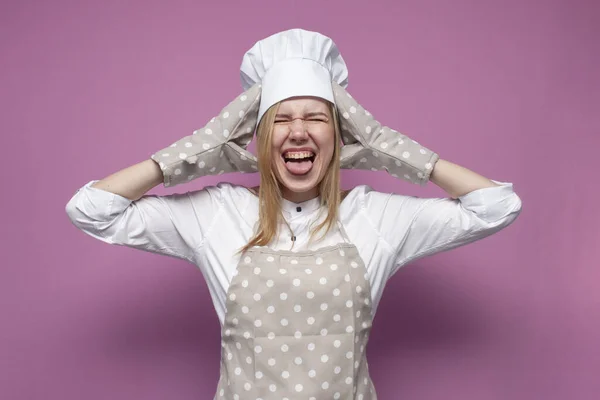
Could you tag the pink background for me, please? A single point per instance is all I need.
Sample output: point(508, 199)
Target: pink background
point(509, 89)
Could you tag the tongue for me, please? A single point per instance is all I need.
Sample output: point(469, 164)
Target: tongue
point(298, 167)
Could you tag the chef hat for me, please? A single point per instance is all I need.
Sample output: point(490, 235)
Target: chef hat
point(292, 63)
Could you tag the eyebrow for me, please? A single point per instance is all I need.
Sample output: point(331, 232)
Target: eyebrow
point(312, 114)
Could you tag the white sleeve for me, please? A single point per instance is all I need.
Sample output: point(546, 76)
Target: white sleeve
point(415, 227)
point(172, 225)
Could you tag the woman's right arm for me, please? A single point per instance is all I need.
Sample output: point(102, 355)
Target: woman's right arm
point(117, 210)
point(134, 181)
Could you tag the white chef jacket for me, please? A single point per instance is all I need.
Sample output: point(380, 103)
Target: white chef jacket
point(207, 227)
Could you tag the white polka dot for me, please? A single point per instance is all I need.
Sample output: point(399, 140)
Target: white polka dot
point(365, 324)
point(237, 371)
point(368, 130)
point(208, 131)
point(247, 260)
point(354, 264)
point(284, 322)
point(428, 166)
point(270, 283)
point(337, 343)
point(227, 332)
point(201, 164)
point(310, 320)
point(225, 132)
point(352, 109)
point(319, 261)
point(308, 271)
point(406, 154)
point(188, 144)
point(349, 355)
point(349, 380)
point(356, 363)
point(298, 360)
point(310, 295)
point(324, 306)
point(270, 259)
point(177, 171)
point(226, 114)
point(358, 289)
point(383, 145)
point(296, 282)
point(229, 356)
point(238, 345)
point(245, 283)
point(336, 292)
point(285, 374)
point(298, 388)
point(272, 387)
point(333, 267)
point(367, 301)
point(258, 323)
point(337, 395)
point(311, 346)
point(363, 160)
point(312, 373)
point(235, 396)
point(247, 335)
point(284, 348)
point(342, 253)
point(247, 386)
point(270, 309)
point(346, 115)
point(256, 271)
point(324, 358)
point(325, 385)
point(297, 308)
point(347, 278)
point(235, 321)
point(293, 261)
point(337, 318)
point(206, 146)
point(232, 296)
point(337, 370)
point(245, 310)
point(258, 374)
point(282, 271)
point(283, 296)
point(323, 281)
point(271, 361)
point(298, 334)
point(349, 329)
point(241, 113)
point(222, 392)
point(323, 332)
point(375, 154)
point(349, 303)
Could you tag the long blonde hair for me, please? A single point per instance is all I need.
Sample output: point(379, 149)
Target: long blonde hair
point(270, 195)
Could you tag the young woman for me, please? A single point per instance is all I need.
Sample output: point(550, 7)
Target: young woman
point(295, 267)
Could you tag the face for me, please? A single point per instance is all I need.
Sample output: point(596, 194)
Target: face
point(302, 145)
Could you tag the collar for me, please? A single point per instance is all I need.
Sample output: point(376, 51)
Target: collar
point(291, 209)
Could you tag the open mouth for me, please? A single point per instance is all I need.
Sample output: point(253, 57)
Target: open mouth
point(298, 162)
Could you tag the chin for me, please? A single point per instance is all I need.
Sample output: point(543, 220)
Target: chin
point(299, 183)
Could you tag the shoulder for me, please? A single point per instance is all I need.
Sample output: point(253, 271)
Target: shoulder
point(362, 197)
point(224, 193)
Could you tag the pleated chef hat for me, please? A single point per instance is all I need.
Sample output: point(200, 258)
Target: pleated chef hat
point(292, 63)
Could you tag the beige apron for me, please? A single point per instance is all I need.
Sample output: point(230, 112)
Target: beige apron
point(297, 326)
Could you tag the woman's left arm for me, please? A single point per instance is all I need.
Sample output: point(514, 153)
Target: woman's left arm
point(456, 180)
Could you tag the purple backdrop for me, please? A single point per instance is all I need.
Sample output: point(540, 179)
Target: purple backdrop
point(509, 89)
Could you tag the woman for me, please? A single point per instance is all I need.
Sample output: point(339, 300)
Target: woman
point(295, 267)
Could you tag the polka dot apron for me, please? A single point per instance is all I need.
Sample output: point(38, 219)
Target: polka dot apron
point(297, 326)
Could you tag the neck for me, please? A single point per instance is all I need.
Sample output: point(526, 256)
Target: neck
point(299, 197)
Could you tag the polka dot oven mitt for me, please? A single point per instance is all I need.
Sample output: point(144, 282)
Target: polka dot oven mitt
point(370, 146)
point(217, 148)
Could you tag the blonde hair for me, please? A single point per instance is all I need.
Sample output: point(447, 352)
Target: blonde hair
point(270, 195)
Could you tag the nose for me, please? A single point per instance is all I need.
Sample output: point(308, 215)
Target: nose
point(297, 129)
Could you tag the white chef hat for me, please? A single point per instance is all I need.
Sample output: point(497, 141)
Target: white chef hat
point(292, 63)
